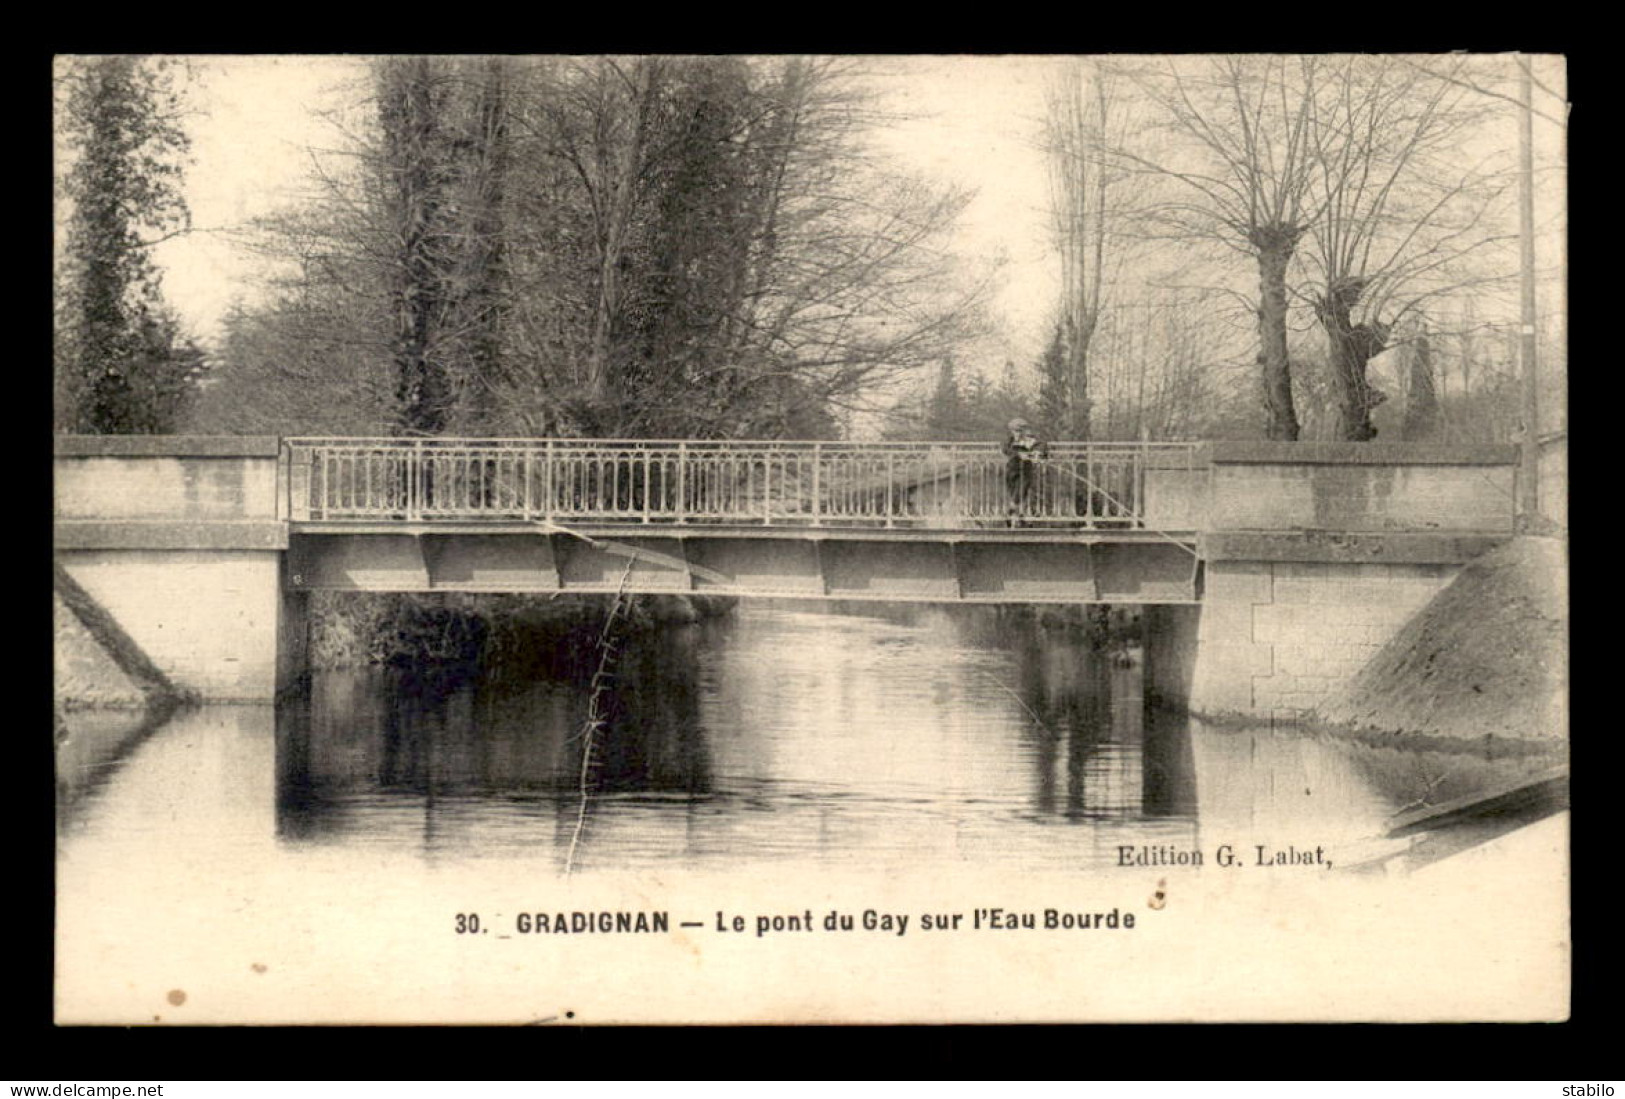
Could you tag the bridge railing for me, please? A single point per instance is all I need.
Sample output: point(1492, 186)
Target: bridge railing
point(725, 481)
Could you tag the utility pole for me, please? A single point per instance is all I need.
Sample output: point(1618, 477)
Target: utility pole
point(1529, 468)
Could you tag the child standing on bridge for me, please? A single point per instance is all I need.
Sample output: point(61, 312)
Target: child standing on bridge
point(1023, 450)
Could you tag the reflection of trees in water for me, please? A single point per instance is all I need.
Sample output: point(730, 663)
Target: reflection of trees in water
point(450, 732)
point(402, 753)
point(1097, 749)
point(1167, 765)
point(1078, 754)
point(653, 740)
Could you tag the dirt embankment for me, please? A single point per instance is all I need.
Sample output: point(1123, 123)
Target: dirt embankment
point(1488, 657)
point(86, 677)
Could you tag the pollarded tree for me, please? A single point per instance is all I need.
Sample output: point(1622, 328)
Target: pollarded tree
point(1405, 213)
point(1350, 182)
point(1237, 173)
point(129, 368)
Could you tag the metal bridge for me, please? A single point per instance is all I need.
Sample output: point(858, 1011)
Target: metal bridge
point(1078, 486)
point(808, 519)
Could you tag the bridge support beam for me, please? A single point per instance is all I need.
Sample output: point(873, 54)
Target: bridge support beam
point(905, 566)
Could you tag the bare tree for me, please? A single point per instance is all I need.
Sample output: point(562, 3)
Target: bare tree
point(721, 230)
point(607, 246)
point(1403, 214)
point(1238, 175)
point(1421, 390)
point(1084, 117)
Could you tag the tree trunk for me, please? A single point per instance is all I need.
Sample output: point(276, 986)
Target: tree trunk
point(619, 200)
point(1350, 347)
point(1275, 369)
point(486, 302)
point(411, 132)
point(1079, 404)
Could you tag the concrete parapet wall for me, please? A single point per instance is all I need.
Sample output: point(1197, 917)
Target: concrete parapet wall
point(1177, 499)
point(166, 477)
point(1361, 487)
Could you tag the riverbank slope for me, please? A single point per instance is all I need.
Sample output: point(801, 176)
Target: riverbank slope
point(1487, 658)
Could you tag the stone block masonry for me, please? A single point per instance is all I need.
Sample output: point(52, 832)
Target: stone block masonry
point(1277, 639)
point(1317, 554)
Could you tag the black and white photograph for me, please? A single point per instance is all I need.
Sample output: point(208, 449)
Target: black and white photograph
point(1025, 538)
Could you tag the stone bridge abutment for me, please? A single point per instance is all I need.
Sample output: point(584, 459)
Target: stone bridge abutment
point(1314, 556)
point(181, 540)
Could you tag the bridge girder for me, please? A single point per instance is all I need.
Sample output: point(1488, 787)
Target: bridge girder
point(1001, 567)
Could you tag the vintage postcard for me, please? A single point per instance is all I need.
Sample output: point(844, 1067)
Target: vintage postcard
point(550, 540)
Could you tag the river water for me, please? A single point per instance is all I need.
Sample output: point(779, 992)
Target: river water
point(325, 860)
point(889, 738)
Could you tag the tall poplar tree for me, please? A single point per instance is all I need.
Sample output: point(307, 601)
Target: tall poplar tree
point(123, 365)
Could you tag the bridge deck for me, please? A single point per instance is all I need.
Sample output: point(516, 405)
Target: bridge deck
point(776, 531)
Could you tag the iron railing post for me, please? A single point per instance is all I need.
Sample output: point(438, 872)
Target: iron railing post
point(547, 481)
point(1137, 510)
point(682, 482)
point(767, 489)
point(321, 457)
point(414, 461)
point(284, 482)
point(817, 484)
